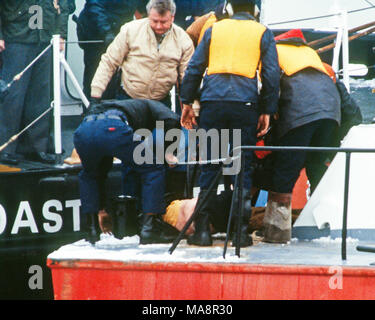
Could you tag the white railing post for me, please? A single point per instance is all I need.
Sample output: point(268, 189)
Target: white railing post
point(57, 93)
point(70, 73)
point(345, 49)
point(337, 49)
point(173, 97)
point(342, 45)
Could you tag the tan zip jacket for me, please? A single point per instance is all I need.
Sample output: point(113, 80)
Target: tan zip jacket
point(148, 72)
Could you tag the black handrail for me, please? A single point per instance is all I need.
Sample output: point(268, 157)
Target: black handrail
point(348, 152)
point(313, 149)
point(345, 213)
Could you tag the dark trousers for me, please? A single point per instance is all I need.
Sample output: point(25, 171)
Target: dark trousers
point(228, 115)
point(27, 99)
point(130, 177)
point(123, 95)
point(97, 142)
point(91, 58)
point(288, 164)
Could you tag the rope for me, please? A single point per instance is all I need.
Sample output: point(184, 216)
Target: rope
point(19, 75)
point(15, 137)
point(16, 78)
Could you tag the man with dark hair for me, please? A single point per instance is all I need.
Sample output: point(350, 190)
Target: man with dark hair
point(231, 51)
point(188, 10)
point(102, 20)
point(197, 29)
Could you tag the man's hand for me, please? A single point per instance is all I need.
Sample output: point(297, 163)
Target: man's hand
point(188, 117)
point(263, 124)
point(2, 45)
point(105, 222)
point(171, 160)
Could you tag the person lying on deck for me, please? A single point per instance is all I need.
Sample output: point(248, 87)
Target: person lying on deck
point(178, 213)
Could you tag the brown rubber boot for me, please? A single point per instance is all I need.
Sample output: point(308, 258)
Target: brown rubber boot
point(278, 218)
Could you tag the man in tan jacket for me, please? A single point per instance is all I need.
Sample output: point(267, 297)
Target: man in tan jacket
point(153, 54)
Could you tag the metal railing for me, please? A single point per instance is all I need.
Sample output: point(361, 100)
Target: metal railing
point(239, 182)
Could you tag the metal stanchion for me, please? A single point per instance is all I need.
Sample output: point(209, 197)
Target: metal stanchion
point(57, 94)
point(345, 214)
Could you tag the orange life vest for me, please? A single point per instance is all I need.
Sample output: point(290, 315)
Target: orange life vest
point(296, 58)
point(330, 71)
point(235, 47)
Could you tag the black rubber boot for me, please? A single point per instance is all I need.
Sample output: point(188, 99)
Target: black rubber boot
point(202, 233)
point(125, 222)
point(91, 227)
point(151, 231)
point(245, 238)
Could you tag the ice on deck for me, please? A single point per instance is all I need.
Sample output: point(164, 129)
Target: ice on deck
point(324, 251)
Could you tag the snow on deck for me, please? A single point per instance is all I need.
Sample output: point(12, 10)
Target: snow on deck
point(323, 251)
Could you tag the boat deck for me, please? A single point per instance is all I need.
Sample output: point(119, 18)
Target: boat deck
point(319, 252)
point(123, 269)
point(68, 125)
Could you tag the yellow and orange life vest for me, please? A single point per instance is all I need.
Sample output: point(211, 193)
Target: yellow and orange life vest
point(293, 59)
point(235, 47)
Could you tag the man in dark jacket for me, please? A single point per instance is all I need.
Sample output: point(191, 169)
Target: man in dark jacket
point(188, 10)
point(309, 113)
point(232, 49)
point(26, 28)
point(102, 20)
point(107, 131)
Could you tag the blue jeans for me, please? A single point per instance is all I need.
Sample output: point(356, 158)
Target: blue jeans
point(97, 142)
point(131, 178)
point(27, 99)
